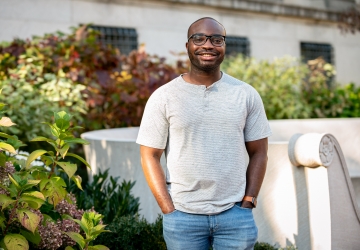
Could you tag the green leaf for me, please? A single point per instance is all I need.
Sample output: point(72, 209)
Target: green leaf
point(77, 238)
point(35, 199)
point(7, 147)
point(47, 160)
point(98, 247)
point(32, 237)
point(80, 159)
point(32, 157)
point(54, 130)
point(84, 227)
point(69, 248)
point(15, 142)
point(62, 115)
point(28, 219)
point(62, 124)
point(76, 140)
point(64, 150)
point(5, 201)
point(30, 184)
point(68, 167)
point(41, 138)
point(53, 188)
point(16, 184)
point(7, 136)
point(16, 242)
point(77, 179)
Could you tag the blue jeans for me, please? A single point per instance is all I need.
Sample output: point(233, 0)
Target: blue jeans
point(232, 229)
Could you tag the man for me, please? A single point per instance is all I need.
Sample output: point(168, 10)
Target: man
point(206, 121)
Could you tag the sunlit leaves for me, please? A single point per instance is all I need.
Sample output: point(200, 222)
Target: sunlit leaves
point(15, 241)
point(28, 219)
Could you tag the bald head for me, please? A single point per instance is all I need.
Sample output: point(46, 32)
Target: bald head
point(199, 22)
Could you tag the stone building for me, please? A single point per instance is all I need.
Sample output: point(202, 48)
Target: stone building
point(263, 29)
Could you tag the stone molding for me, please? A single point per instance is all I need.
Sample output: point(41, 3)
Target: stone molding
point(266, 8)
point(313, 150)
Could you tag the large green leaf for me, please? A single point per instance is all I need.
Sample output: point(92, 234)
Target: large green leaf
point(53, 189)
point(32, 237)
point(6, 136)
point(80, 159)
point(32, 157)
point(68, 167)
point(77, 238)
point(16, 242)
point(62, 124)
point(28, 219)
point(5, 201)
point(30, 184)
point(76, 140)
point(35, 199)
point(7, 147)
point(41, 138)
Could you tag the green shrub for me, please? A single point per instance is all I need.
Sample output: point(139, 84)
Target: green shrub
point(107, 196)
point(36, 210)
point(133, 233)
point(101, 87)
point(293, 90)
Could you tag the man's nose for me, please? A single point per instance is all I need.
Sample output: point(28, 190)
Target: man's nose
point(208, 43)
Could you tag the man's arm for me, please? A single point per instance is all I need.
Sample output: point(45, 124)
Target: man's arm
point(154, 174)
point(255, 173)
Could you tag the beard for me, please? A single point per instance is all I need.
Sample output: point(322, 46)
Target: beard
point(206, 67)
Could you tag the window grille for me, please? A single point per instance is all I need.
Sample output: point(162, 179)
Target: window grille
point(310, 51)
point(236, 44)
point(125, 39)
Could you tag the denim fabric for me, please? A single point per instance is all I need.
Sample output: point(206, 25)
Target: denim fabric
point(232, 229)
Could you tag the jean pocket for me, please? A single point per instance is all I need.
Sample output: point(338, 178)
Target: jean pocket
point(238, 205)
point(170, 213)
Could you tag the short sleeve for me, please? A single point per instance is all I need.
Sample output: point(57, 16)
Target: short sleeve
point(154, 125)
point(257, 126)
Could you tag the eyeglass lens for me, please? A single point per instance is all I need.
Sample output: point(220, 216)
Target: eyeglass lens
point(216, 40)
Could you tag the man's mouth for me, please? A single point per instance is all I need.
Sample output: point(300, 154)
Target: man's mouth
point(206, 55)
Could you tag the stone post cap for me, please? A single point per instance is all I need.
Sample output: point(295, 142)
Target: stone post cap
point(311, 150)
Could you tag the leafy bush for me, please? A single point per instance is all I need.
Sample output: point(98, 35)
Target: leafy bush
point(36, 210)
point(133, 233)
point(101, 87)
point(293, 90)
point(107, 197)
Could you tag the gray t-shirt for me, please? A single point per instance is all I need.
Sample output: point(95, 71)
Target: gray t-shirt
point(203, 131)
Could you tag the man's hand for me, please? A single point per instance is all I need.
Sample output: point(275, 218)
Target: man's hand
point(247, 204)
point(154, 174)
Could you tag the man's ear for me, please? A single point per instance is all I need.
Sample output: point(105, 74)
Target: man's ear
point(186, 45)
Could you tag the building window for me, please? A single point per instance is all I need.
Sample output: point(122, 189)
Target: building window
point(236, 44)
point(311, 51)
point(125, 39)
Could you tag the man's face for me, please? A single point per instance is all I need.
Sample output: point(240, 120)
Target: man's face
point(206, 57)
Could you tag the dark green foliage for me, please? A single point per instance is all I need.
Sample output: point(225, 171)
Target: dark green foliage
point(107, 197)
point(293, 90)
point(133, 233)
point(263, 246)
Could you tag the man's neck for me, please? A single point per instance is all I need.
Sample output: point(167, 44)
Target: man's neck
point(202, 78)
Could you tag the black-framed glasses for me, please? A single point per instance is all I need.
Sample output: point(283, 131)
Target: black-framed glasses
point(200, 39)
